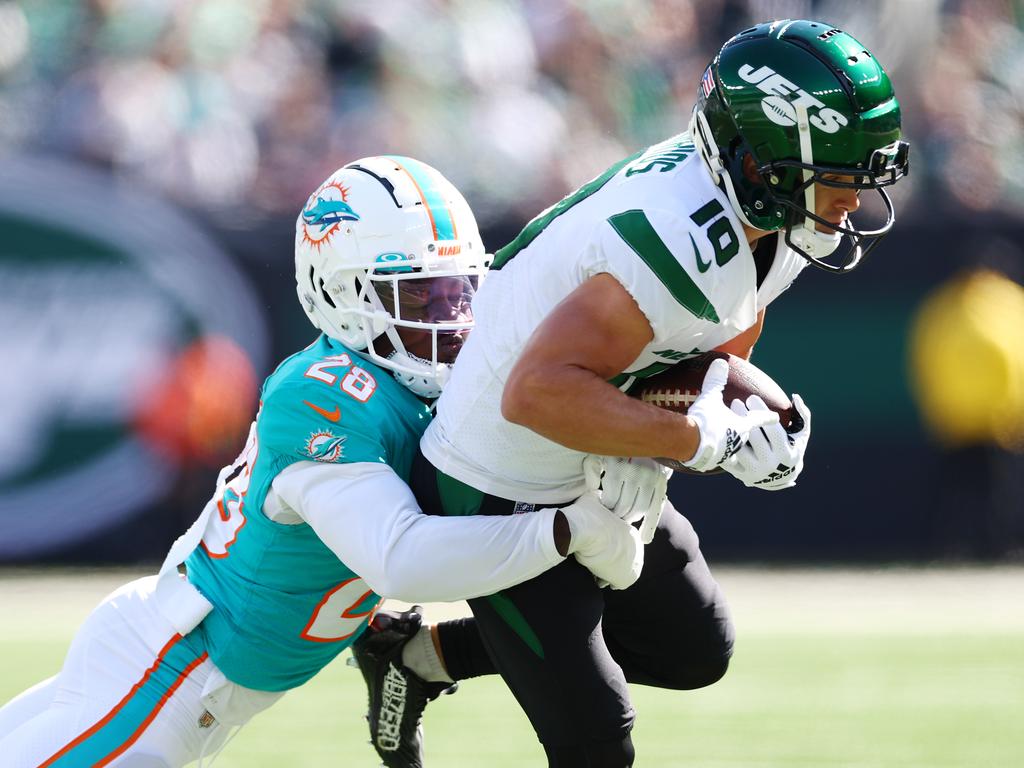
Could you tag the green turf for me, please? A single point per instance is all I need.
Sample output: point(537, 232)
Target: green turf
point(810, 697)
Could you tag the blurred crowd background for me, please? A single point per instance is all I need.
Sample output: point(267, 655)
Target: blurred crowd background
point(154, 155)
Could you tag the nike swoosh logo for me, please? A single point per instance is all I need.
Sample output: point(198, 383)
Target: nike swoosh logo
point(702, 266)
point(334, 415)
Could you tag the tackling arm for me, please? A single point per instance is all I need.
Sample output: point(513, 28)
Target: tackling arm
point(369, 518)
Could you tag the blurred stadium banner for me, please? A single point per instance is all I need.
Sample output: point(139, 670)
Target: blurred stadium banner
point(128, 345)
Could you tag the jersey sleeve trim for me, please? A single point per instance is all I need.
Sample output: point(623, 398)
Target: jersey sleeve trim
point(639, 234)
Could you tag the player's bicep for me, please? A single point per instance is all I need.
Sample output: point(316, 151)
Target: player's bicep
point(355, 509)
point(598, 327)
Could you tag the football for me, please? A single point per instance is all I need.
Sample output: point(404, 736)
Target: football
point(676, 388)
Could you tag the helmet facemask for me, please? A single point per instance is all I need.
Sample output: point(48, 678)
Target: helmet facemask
point(428, 319)
point(885, 167)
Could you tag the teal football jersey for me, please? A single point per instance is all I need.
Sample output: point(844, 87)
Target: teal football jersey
point(284, 604)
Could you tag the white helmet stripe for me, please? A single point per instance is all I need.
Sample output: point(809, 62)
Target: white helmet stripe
point(803, 125)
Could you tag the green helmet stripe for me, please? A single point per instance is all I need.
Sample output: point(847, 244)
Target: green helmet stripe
point(635, 228)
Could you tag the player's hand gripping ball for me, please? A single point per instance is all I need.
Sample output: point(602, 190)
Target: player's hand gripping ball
point(677, 388)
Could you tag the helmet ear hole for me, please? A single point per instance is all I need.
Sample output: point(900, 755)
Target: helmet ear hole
point(734, 147)
point(749, 168)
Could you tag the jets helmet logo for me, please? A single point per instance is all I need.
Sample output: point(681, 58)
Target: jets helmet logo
point(780, 106)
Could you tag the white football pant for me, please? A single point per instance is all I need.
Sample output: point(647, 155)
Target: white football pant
point(129, 695)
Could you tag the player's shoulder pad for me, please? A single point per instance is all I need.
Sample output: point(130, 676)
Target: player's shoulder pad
point(664, 157)
point(306, 415)
point(673, 248)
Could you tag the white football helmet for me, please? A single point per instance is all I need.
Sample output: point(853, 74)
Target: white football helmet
point(387, 247)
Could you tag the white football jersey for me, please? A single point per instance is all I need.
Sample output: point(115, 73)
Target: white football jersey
point(659, 225)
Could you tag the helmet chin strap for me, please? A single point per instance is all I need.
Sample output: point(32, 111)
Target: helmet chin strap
point(426, 383)
point(803, 126)
point(815, 244)
point(420, 376)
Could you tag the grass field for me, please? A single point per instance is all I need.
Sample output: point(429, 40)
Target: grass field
point(833, 668)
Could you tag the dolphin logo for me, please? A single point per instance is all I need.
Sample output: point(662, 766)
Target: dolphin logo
point(325, 446)
point(328, 212)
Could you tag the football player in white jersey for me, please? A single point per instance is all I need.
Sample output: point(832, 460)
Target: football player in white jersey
point(674, 251)
point(314, 522)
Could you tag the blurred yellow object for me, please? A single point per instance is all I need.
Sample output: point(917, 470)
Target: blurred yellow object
point(967, 360)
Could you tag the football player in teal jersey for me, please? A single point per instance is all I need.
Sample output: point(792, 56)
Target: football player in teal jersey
point(314, 522)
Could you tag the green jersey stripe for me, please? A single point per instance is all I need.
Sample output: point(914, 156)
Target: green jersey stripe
point(636, 230)
point(643, 373)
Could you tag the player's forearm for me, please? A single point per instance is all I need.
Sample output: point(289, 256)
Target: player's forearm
point(456, 558)
point(369, 518)
point(576, 408)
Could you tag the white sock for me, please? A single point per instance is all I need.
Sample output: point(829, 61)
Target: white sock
point(420, 656)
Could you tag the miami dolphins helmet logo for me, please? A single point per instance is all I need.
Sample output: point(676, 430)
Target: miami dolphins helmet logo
point(328, 212)
point(324, 213)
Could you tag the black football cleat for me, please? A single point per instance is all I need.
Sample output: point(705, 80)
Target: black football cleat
point(397, 695)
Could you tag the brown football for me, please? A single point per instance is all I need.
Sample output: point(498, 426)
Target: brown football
point(676, 388)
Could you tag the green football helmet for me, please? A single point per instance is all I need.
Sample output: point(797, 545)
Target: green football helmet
point(808, 104)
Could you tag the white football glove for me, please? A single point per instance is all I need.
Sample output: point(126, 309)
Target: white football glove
point(633, 489)
point(722, 432)
point(606, 545)
point(772, 459)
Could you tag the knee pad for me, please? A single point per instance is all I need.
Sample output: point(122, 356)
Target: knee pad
point(617, 753)
point(710, 672)
point(696, 674)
